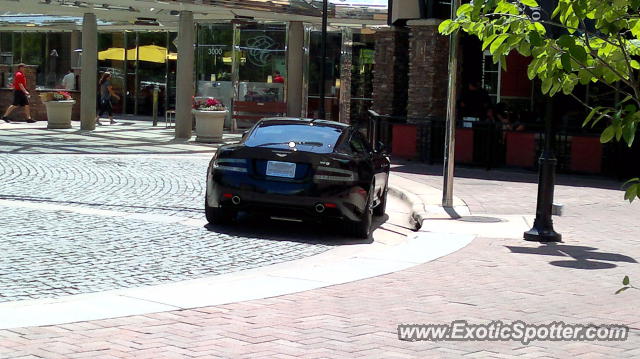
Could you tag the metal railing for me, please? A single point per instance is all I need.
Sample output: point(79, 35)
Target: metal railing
point(489, 143)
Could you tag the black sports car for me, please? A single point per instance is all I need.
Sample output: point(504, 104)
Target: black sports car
point(299, 169)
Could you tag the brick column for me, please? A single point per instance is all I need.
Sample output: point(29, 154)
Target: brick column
point(390, 74)
point(428, 80)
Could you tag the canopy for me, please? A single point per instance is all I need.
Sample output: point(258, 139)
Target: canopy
point(149, 53)
point(112, 53)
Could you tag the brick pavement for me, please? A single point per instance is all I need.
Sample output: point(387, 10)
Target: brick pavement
point(491, 279)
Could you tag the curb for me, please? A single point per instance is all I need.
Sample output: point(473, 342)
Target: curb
point(418, 213)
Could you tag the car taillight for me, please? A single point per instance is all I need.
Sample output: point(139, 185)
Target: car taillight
point(230, 164)
point(334, 174)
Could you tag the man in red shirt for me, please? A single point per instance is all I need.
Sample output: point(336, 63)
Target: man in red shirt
point(277, 78)
point(20, 95)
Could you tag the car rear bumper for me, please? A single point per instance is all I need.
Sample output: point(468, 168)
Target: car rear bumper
point(296, 201)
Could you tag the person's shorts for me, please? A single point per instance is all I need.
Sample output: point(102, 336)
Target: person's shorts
point(19, 98)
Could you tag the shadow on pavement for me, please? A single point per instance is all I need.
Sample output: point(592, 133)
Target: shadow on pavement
point(507, 175)
point(581, 257)
point(330, 234)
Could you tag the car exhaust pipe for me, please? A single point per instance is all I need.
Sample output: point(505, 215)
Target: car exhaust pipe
point(235, 200)
point(320, 208)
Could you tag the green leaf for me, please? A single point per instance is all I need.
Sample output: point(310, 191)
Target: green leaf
point(546, 85)
point(608, 134)
point(464, 9)
point(590, 116)
point(530, 3)
point(632, 192)
point(487, 41)
point(625, 280)
point(566, 41)
point(629, 134)
point(566, 62)
point(535, 39)
point(445, 26)
point(579, 53)
point(637, 179)
point(497, 42)
point(621, 290)
point(635, 64)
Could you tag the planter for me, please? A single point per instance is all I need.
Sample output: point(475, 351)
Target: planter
point(59, 113)
point(209, 125)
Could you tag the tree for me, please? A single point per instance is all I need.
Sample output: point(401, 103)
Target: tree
point(581, 41)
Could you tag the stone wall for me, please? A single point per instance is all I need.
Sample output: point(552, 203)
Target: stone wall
point(428, 70)
point(390, 74)
point(428, 83)
point(411, 78)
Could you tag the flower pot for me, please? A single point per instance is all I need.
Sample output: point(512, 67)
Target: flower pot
point(209, 125)
point(59, 113)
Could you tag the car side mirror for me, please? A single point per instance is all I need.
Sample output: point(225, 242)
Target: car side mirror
point(381, 148)
point(244, 134)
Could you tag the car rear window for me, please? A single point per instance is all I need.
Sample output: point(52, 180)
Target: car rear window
point(309, 138)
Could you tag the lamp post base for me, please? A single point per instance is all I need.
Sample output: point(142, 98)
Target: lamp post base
point(541, 233)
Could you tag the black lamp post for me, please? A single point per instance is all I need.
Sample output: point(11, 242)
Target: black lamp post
point(542, 230)
point(323, 61)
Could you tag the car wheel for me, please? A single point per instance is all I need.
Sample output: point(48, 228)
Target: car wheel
point(218, 215)
point(382, 206)
point(362, 228)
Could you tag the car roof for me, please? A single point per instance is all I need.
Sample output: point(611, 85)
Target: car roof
point(302, 121)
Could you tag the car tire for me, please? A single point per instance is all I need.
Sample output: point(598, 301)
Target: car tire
point(218, 215)
point(362, 228)
point(382, 206)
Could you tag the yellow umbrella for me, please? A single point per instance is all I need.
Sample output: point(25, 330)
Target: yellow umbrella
point(112, 53)
point(149, 53)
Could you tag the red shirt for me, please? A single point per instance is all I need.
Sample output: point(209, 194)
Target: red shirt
point(278, 79)
point(18, 79)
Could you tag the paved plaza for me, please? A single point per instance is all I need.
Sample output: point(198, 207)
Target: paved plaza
point(91, 202)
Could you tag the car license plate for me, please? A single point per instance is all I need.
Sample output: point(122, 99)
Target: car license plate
point(281, 169)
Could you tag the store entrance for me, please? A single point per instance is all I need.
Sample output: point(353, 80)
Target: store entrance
point(244, 66)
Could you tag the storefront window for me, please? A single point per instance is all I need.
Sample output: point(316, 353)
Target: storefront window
point(332, 73)
point(111, 59)
point(152, 60)
point(362, 75)
point(214, 59)
point(262, 73)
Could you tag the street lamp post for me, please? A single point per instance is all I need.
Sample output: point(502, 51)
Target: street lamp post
point(323, 61)
point(542, 230)
point(452, 95)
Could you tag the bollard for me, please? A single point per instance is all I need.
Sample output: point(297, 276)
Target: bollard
point(155, 105)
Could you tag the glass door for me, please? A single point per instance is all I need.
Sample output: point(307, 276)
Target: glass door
point(261, 68)
point(332, 72)
point(214, 63)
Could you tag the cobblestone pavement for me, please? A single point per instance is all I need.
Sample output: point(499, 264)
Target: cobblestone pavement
point(138, 184)
point(491, 279)
point(67, 226)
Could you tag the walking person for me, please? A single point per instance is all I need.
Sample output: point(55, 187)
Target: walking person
point(20, 95)
point(106, 93)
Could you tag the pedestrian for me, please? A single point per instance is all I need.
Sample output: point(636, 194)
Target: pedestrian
point(69, 80)
point(106, 94)
point(20, 95)
point(277, 77)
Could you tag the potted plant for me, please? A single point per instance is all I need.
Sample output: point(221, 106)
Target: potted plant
point(210, 114)
point(59, 108)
